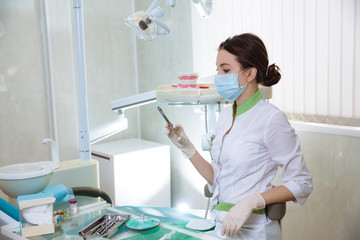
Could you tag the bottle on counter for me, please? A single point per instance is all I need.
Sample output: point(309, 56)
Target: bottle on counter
point(73, 206)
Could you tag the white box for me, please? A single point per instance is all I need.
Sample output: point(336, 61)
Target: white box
point(134, 172)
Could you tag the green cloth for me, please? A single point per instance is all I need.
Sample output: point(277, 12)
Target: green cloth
point(159, 232)
point(248, 104)
point(170, 216)
point(225, 207)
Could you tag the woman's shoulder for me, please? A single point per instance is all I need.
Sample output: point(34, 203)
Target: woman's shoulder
point(268, 107)
point(270, 112)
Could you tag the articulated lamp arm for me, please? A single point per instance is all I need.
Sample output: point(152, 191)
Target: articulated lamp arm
point(121, 123)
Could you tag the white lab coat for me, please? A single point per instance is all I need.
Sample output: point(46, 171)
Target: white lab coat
point(246, 160)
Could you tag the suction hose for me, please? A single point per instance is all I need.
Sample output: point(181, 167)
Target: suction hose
point(91, 192)
point(9, 209)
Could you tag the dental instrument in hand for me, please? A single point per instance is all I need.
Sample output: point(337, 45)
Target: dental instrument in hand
point(167, 120)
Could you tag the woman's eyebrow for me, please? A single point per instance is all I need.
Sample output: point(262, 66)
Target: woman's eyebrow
point(223, 64)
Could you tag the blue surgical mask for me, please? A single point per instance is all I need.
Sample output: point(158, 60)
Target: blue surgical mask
point(227, 85)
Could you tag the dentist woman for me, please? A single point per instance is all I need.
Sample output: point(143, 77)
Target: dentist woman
point(253, 138)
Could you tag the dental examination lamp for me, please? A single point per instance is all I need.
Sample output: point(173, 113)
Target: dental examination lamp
point(121, 123)
point(147, 24)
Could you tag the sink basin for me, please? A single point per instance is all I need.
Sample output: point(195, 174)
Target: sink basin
point(25, 178)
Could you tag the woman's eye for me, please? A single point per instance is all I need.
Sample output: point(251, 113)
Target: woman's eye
point(222, 71)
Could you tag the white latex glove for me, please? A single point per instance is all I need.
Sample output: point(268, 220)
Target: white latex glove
point(180, 140)
point(238, 214)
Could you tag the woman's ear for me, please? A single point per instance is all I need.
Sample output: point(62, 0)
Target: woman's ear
point(251, 74)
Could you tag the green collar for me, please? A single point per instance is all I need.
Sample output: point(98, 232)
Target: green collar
point(249, 103)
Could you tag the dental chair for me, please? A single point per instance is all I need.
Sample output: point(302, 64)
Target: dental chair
point(207, 194)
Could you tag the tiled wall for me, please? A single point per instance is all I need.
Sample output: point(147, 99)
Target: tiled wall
point(332, 210)
point(23, 100)
point(25, 116)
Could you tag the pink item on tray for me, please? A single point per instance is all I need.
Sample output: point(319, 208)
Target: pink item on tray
point(187, 80)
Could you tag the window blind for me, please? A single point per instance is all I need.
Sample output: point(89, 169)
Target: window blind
point(316, 44)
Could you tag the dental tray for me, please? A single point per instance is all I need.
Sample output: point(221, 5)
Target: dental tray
point(202, 94)
point(105, 226)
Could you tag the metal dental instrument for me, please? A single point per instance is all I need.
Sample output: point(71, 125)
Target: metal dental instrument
point(104, 227)
point(167, 120)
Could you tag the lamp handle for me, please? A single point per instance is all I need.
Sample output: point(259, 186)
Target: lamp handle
point(164, 28)
point(153, 5)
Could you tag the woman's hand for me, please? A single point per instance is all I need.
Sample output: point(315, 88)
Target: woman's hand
point(179, 138)
point(239, 213)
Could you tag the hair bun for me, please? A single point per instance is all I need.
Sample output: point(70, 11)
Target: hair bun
point(273, 76)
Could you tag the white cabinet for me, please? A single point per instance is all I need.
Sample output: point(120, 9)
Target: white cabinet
point(134, 172)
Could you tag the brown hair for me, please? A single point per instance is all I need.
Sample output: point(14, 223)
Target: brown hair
point(251, 52)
